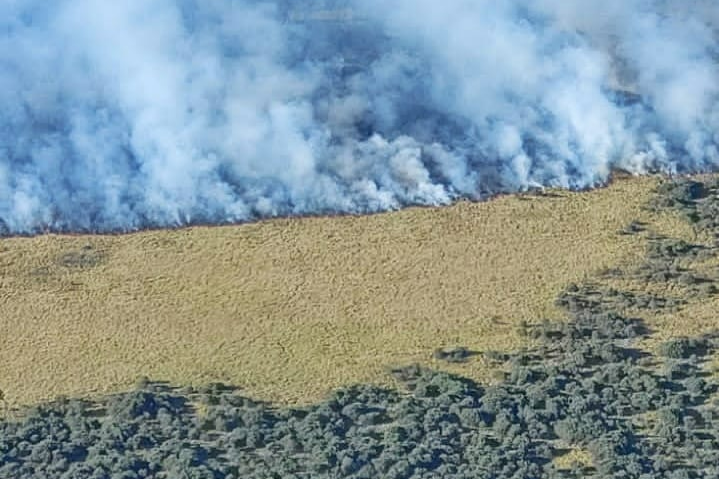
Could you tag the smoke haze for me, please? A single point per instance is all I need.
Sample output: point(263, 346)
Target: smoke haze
point(124, 115)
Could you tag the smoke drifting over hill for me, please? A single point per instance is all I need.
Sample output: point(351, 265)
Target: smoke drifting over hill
point(123, 115)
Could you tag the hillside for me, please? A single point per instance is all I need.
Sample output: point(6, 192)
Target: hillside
point(290, 309)
point(620, 382)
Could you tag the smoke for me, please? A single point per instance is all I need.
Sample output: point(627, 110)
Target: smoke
point(124, 115)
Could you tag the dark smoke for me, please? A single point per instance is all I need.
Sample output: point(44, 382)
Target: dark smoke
point(124, 115)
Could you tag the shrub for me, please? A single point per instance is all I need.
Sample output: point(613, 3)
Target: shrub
point(453, 355)
point(683, 348)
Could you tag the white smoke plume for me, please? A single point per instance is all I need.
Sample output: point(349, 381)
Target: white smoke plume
point(116, 116)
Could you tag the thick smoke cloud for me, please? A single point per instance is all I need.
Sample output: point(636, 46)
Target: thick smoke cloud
point(124, 115)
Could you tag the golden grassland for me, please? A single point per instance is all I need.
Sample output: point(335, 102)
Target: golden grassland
point(573, 456)
point(290, 309)
point(699, 315)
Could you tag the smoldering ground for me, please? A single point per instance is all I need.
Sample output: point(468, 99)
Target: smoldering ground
point(123, 115)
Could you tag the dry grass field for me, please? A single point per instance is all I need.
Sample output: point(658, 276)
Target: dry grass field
point(289, 309)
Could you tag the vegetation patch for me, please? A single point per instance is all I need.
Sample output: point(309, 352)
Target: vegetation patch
point(457, 354)
point(85, 257)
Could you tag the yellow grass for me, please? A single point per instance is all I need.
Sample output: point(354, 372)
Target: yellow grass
point(290, 309)
point(698, 317)
point(574, 456)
